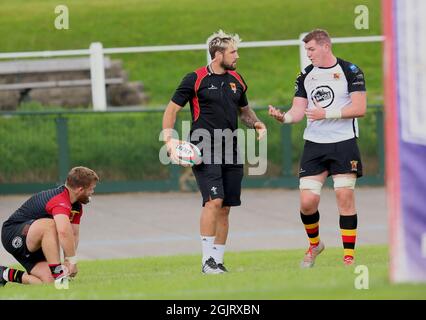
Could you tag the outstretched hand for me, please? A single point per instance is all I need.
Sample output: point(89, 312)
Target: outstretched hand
point(276, 113)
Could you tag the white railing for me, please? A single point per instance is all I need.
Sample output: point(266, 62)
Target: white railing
point(97, 52)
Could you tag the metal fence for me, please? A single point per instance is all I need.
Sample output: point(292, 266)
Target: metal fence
point(96, 52)
point(38, 149)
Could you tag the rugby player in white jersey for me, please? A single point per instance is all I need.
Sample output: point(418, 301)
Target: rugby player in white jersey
point(331, 93)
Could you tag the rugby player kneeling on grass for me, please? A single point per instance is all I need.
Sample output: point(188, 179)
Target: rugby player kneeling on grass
point(44, 224)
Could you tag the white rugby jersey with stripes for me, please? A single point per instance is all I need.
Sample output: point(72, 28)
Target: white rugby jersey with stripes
point(331, 87)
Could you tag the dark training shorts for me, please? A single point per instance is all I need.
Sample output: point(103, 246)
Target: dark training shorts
point(337, 158)
point(13, 237)
point(220, 181)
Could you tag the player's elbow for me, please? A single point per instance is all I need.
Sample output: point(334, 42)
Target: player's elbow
point(362, 111)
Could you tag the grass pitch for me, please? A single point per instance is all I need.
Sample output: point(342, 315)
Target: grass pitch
point(256, 275)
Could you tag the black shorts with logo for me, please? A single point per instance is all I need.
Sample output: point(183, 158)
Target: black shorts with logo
point(13, 237)
point(337, 158)
point(220, 181)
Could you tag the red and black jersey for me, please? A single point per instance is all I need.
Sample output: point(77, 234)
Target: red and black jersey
point(46, 204)
point(215, 99)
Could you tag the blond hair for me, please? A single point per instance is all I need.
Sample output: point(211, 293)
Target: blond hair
point(319, 35)
point(219, 41)
point(81, 177)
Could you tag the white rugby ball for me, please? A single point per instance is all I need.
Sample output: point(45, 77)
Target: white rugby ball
point(188, 153)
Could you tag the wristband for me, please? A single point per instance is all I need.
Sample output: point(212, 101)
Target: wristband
point(288, 118)
point(72, 260)
point(333, 114)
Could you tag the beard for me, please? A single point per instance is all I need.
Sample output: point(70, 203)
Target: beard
point(84, 199)
point(231, 67)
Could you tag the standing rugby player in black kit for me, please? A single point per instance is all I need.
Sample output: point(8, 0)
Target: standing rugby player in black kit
point(217, 96)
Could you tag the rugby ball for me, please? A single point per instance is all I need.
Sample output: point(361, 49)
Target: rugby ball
point(188, 153)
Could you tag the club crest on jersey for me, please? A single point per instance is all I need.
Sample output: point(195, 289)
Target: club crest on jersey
point(354, 165)
point(324, 95)
point(233, 87)
point(73, 213)
point(17, 242)
point(336, 76)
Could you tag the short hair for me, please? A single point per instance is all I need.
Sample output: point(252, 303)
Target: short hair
point(319, 35)
point(220, 40)
point(81, 177)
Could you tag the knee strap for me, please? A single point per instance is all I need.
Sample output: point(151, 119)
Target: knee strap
point(344, 182)
point(311, 185)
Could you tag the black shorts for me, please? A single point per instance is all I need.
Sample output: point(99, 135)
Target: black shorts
point(13, 237)
point(220, 181)
point(337, 158)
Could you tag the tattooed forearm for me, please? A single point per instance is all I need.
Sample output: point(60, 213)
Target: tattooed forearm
point(248, 117)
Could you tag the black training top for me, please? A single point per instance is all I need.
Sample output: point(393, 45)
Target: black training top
point(215, 99)
point(46, 204)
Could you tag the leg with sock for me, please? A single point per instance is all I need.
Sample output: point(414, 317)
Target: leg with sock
point(222, 227)
point(348, 226)
point(208, 234)
point(10, 275)
point(311, 223)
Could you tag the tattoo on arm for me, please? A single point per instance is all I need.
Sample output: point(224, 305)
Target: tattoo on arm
point(248, 117)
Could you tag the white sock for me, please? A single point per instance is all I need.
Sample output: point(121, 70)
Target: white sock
point(218, 252)
point(5, 274)
point(207, 245)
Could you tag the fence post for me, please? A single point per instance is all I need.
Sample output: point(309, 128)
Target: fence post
point(63, 148)
point(287, 150)
point(97, 74)
point(304, 60)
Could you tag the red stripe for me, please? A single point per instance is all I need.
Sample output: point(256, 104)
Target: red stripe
point(237, 76)
point(10, 274)
point(201, 74)
point(392, 166)
point(311, 231)
point(349, 239)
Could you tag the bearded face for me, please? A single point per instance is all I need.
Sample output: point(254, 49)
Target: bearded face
point(85, 194)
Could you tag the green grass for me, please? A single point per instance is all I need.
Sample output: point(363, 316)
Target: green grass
point(269, 72)
point(253, 275)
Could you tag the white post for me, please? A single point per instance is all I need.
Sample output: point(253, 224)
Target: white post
point(97, 74)
point(304, 60)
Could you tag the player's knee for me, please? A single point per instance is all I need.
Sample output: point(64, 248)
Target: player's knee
point(309, 204)
point(344, 183)
point(311, 185)
point(345, 199)
point(214, 204)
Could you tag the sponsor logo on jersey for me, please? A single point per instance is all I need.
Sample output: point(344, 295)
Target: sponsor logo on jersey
point(324, 95)
point(353, 68)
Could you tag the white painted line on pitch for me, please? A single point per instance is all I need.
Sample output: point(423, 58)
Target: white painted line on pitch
point(424, 245)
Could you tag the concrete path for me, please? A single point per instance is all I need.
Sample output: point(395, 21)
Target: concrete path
point(153, 224)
